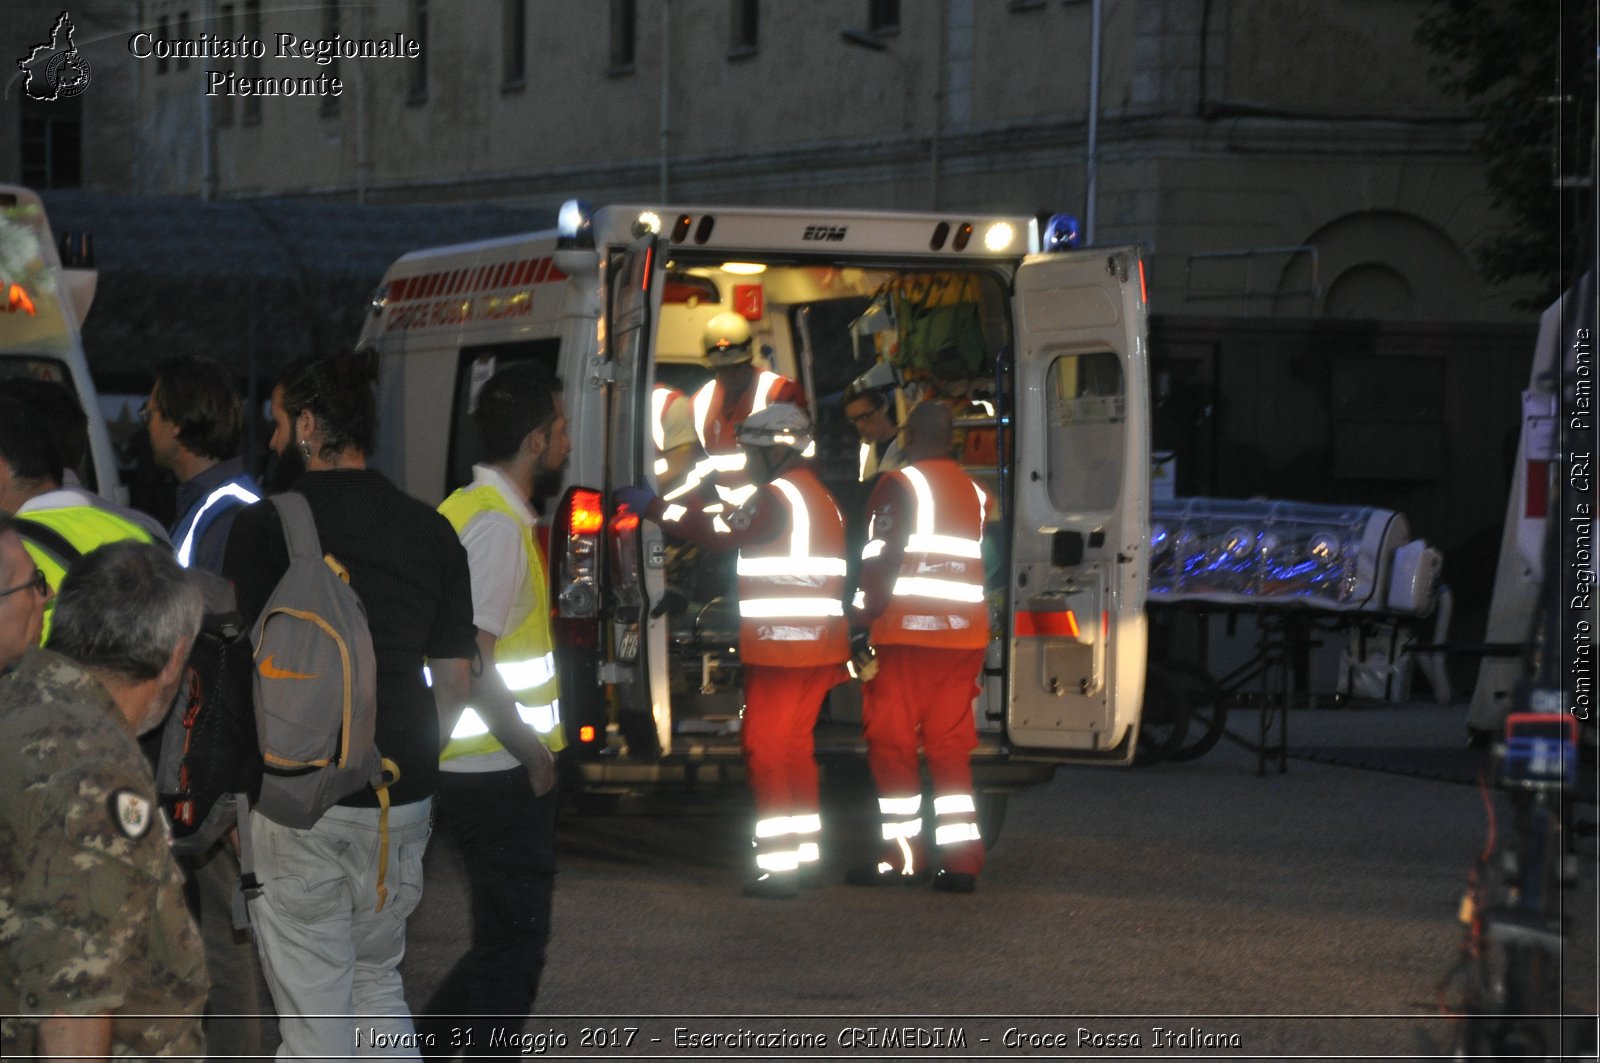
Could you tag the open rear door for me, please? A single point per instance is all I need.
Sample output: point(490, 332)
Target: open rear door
point(632, 302)
point(1080, 526)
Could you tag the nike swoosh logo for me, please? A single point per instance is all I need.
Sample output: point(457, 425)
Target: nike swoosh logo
point(272, 671)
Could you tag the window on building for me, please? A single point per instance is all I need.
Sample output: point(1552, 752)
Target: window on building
point(163, 33)
point(252, 65)
point(222, 103)
point(51, 154)
point(624, 35)
point(330, 30)
point(514, 37)
point(883, 16)
point(417, 22)
point(745, 19)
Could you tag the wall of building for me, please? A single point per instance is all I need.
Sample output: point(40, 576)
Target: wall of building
point(1224, 125)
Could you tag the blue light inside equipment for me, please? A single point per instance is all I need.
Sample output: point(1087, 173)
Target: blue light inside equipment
point(575, 224)
point(1061, 233)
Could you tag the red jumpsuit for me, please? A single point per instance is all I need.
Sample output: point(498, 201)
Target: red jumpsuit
point(921, 590)
point(792, 645)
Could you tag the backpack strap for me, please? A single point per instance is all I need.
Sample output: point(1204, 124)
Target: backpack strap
point(249, 886)
point(48, 539)
point(391, 775)
point(298, 526)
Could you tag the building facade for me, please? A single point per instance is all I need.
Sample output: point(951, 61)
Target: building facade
point(1280, 157)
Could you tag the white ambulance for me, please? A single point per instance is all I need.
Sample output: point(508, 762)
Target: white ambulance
point(43, 303)
point(1042, 355)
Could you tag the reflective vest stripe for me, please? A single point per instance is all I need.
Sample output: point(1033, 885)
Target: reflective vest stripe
point(791, 589)
point(525, 655)
point(798, 569)
point(660, 399)
point(542, 718)
point(225, 491)
point(236, 491)
point(779, 608)
point(925, 540)
point(942, 589)
point(521, 675)
point(791, 566)
point(937, 598)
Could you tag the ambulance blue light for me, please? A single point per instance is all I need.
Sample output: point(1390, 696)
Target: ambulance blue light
point(575, 225)
point(1061, 233)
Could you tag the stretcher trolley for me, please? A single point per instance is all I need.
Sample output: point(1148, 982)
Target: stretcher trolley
point(1298, 573)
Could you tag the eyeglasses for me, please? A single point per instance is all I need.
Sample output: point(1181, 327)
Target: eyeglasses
point(144, 412)
point(38, 583)
point(861, 417)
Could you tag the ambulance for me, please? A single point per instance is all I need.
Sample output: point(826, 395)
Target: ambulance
point(1039, 349)
point(44, 299)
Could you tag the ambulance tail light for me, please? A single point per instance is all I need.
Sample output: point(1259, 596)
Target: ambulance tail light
point(575, 554)
point(575, 559)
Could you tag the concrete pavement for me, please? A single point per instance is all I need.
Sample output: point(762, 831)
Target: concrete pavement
point(1311, 913)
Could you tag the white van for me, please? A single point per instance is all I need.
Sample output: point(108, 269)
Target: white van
point(42, 307)
point(1043, 355)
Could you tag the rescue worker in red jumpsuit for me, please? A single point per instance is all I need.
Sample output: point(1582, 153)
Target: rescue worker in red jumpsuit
point(735, 391)
point(921, 593)
point(792, 637)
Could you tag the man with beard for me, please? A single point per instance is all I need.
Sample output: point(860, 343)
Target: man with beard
point(98, 954)
point(329, 956)
point(497, 789)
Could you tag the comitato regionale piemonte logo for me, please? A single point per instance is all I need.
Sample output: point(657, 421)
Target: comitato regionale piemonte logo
point(55, 70)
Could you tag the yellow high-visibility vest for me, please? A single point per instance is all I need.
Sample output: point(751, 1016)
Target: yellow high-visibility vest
point(86, 527)
point(525, 655)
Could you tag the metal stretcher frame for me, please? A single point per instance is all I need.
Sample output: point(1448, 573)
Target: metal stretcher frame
point(1281, 631)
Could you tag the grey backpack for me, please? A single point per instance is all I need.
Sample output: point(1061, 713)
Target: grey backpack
point(316, 696)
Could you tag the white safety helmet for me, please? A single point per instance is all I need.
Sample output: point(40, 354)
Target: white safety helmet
point(727, 339)
point(782, 424)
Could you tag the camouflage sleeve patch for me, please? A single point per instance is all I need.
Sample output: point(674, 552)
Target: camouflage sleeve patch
point(87, 867)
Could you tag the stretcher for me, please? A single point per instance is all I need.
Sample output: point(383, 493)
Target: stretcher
point(1300, 572)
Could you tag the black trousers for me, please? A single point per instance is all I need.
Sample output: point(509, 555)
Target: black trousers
point(507, 840)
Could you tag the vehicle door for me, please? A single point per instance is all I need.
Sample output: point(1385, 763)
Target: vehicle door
point(1081, 509)
point(636, 658)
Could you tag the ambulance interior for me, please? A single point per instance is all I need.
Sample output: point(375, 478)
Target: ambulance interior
point(945, 335)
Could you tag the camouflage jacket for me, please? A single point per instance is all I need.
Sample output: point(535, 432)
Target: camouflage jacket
point(92, 915)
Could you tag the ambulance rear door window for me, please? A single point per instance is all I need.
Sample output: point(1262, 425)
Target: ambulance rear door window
point(1086, 406)
point(473, 370)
